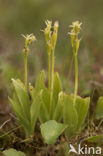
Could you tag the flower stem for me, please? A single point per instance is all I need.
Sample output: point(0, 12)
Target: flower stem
point(25, 69)
point(49, 70)
point(52, 82)
point(76, 77)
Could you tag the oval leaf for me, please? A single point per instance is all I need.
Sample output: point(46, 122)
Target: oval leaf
point(56, 89)
point(13, 152)
point(70, 115)
point(82, 106)
point(99, 109)
point(51, 130)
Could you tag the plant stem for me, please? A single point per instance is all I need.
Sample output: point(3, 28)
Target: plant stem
point(49, 70)
point(70, 69)
point(25, 69)
point(52, 82)
point(76, 77)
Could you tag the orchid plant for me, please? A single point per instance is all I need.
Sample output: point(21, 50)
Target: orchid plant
point(50, 104)
point(26, 110)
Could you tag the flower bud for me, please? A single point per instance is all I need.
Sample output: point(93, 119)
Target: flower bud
point(76, 26)
point(74, 36)
point(55, 34)
point(51, 36)
point(47, 30)
point(47, 33)
point(28, 40)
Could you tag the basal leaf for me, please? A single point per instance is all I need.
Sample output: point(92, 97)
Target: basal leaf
point(17, 111)
point(70, 115)
point(46, 98)
point(58, 112)
point(45, 106)
point(41, 85)
point(21, 83)
point(21, 106)
point(44, 114)
point(35, 108)
point(82, 106)
point(40, 81)
point(22, 120)
point(57, 88)
point(22, 97)
point(18, 106)
point(99, 109)
point(95, 139)
point(33, 92)
point(13, 152)
point(51, 130)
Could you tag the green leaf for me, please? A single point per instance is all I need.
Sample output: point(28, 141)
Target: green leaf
point(13, 152)
point(45, 106)
point(99, 109)
point(18, 106)
point(46, 98)
point(56, 90)
point(21, 83)
point(22, 119)
point(70, 115)
point(41, 85)
point(51, 130)
point(22, 97)
point(40, 81)
point(32, 91)
point(35, 108)
point(58, 113)
point(95, 139)
point(44, 114)
point(21, 106)
point(18, 113)
point(82, 106)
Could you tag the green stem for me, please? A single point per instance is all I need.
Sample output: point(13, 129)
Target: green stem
point(25, 68)
point(76, 77)
point(49, 70)
point(52, 82)
point(70, 69)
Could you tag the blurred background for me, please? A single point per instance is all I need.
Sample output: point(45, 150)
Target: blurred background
point(28, 16)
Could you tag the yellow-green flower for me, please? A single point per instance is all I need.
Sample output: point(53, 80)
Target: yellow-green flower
point(51, 36)
point(76, 26)
point(28, 40)
point(55, 34)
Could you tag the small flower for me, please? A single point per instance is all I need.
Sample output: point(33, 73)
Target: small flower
point(51, 36)
point(55, 34)
point(47, 33)
point(47, 30)
point(56, 25)
point(76, 26)
point(28, 40)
